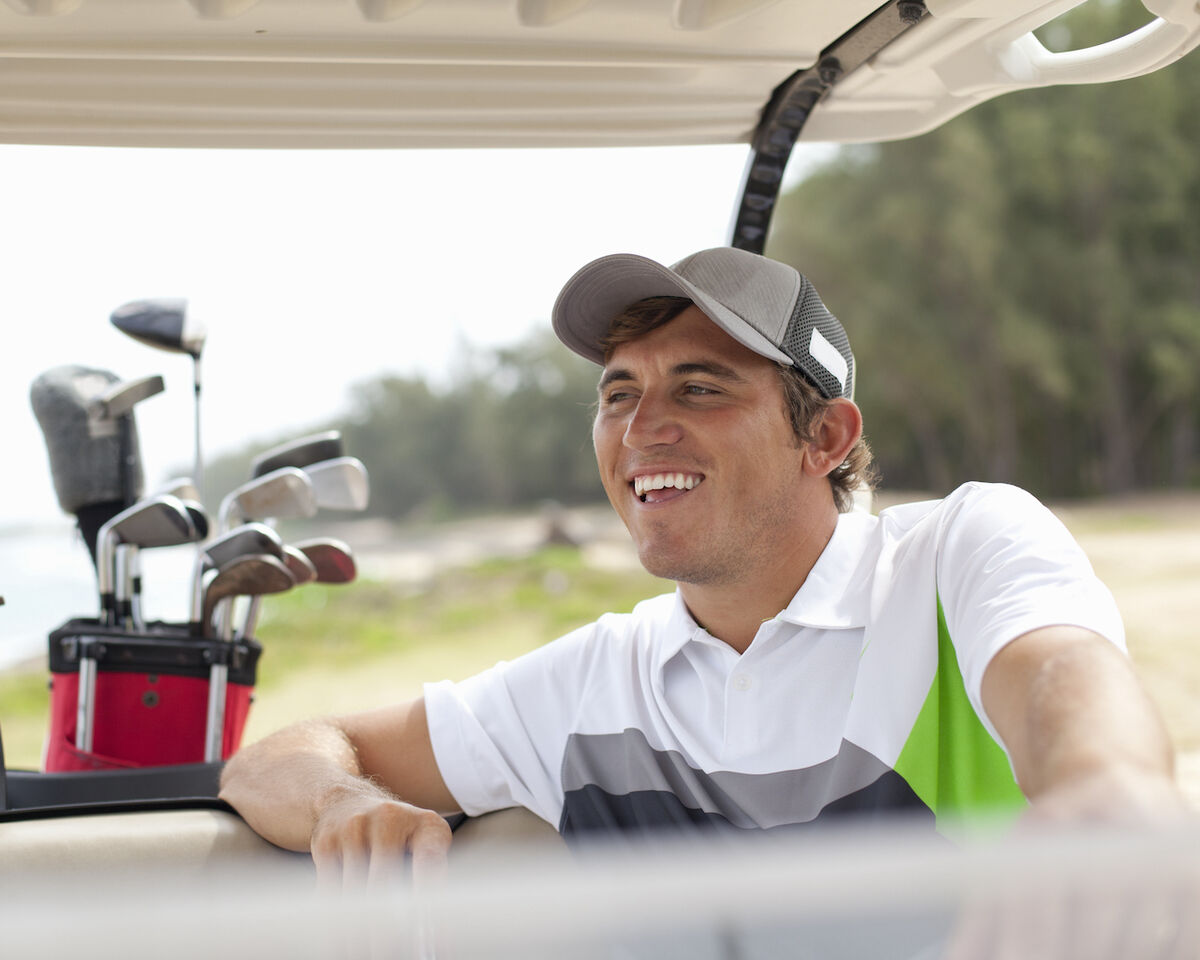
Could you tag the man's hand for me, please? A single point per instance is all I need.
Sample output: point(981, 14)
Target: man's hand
point(1090, 752)
point(362, 835)
point(333, 786)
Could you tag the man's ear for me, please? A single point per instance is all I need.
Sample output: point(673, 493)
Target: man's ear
point(834, 435)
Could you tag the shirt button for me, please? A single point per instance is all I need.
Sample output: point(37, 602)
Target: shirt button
point(742, 682)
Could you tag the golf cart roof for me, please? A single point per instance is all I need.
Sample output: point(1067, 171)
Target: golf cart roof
point(482, 73)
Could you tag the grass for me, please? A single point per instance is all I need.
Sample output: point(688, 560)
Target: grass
point(336, 648)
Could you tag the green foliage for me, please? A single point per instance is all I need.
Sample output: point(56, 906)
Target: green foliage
point(1021, 285)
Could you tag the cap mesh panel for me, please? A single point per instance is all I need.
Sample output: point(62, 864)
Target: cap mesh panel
point(808, 313)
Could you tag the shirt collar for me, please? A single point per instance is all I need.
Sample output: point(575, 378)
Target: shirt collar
point(834, 595)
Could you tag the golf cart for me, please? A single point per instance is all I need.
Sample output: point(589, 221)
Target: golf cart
point(455, 73)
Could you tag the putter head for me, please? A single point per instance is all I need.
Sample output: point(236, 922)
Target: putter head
point(332, 559)
point(164, 322)
point(299, 453)
point(340, 484)
point(285, 493)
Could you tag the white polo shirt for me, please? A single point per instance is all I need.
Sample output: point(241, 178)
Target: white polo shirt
point(863, 695)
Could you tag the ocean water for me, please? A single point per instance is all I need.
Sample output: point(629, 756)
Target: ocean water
point(46, 578)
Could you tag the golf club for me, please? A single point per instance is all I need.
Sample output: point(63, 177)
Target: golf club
point(248, 539)
point(249, 575)
point(332, 558)
point(333, 562)
point(299, 453)
point(158, 521)
point(129, 589)
point(167, 324)
point(299, 566)
point(128, 583)
point(340, 484)
point(283, 493)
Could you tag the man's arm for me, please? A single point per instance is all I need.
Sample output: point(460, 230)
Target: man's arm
point(1084, 738)
point(358, 791)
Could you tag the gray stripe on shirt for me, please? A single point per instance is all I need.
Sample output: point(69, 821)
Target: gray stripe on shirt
point(624, 763)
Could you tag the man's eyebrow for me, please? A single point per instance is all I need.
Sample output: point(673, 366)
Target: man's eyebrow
point(708, 368)
point(612, 376)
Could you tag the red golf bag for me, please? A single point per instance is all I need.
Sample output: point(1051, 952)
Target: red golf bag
point(143, 699)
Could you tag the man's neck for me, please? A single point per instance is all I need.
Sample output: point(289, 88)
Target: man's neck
point(733, 611)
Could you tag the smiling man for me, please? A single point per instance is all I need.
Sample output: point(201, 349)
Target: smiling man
point(815, 661)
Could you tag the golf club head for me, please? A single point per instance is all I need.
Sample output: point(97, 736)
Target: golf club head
point(154, 522)
point(332, 559)
point(285, 493)
point(128, 569)
point(252, 575)
point(298, 564)
point(299, 453)
point(248, 539)
point(164, 323)
point(340, 484)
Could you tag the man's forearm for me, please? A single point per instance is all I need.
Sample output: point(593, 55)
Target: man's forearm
point(280, 784)
point(1083, 735)
point(1088, 711)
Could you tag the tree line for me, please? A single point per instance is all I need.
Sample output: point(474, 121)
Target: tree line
point(1020, 287)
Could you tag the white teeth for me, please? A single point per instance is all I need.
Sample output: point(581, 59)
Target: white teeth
point(680, 481)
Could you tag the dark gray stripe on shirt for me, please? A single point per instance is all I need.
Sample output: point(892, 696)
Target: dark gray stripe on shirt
point(626, 763)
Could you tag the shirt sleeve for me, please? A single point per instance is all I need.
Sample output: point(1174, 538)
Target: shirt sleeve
point(1007, 566)
point(499, 736)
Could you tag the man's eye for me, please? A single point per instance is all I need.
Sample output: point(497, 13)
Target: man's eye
point(616, 397)
point(697, 389)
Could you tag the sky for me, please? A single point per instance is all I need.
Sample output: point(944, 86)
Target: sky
point(311, 270)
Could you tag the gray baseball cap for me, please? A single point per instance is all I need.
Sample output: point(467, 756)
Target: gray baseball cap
point(765, 305)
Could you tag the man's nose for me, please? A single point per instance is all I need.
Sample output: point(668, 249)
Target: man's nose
point(653, 424)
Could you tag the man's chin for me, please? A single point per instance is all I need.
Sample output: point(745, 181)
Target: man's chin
point(680, 567)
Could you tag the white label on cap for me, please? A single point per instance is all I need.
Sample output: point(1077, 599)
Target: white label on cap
point(826, 354)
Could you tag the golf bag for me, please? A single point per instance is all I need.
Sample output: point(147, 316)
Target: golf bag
point(144, 695)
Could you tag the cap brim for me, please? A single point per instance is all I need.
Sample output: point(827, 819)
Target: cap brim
point(598, 292)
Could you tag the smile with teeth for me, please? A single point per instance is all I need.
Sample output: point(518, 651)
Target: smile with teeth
point(680, 481)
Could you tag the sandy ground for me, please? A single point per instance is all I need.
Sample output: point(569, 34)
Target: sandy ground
point(1147, 549)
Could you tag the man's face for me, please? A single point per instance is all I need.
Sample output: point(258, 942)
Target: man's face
point(697, 455)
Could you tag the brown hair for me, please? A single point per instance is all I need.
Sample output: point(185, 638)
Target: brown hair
point(802, 402)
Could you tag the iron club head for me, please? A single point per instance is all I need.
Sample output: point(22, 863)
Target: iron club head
point(252, 575)
point(155, 522)
point(283, 493)
point(340, 484)
point(299, 453)
point(332, 558)
point(248, 539)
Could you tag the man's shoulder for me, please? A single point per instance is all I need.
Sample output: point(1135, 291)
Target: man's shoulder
point(650, 614)
point(975, 497)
